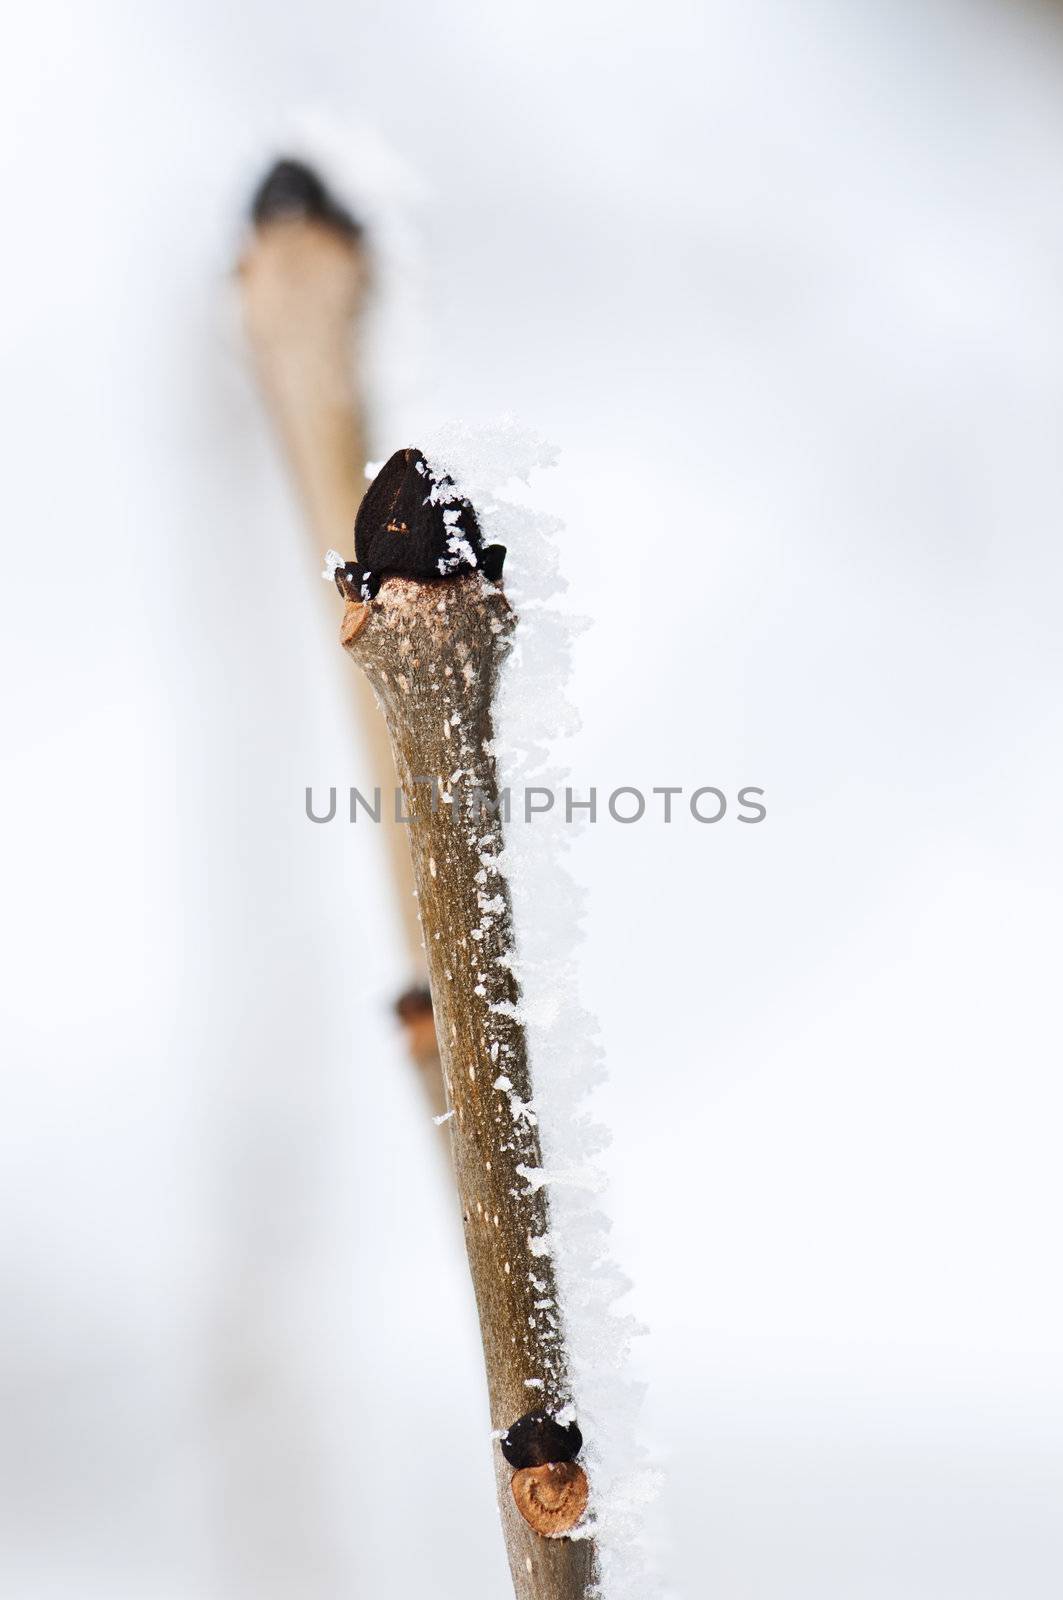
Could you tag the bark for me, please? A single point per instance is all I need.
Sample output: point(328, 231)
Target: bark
point(303, 284)
point(303, 281)
point(432, 653)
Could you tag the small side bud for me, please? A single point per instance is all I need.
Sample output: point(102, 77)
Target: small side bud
point(536, 1439)
point(414, 1011)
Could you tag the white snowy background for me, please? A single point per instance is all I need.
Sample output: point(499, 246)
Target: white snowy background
point(784, 284)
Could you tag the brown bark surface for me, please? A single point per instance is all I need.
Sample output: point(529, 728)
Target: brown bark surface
point(303, 285)
point(432, 652)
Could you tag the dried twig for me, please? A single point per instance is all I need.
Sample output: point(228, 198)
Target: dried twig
point(303, 278)
point(431, 647)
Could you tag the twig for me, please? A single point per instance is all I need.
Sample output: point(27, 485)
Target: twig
point(431, 647)
point(304, 277)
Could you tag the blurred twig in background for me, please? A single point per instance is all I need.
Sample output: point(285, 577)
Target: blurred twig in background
point(304, 278)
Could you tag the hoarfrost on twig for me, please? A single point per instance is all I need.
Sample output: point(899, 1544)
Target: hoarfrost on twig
point(485, 466)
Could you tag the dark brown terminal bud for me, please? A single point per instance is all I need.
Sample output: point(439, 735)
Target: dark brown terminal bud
point(402, 531)
point(291, 190)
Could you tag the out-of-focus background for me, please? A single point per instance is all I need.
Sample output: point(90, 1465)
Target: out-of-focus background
point(784, 284)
